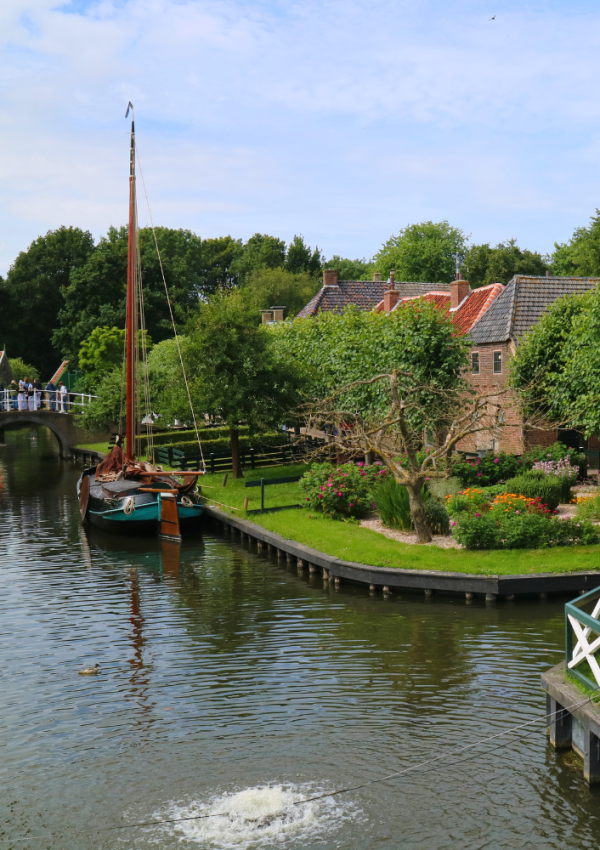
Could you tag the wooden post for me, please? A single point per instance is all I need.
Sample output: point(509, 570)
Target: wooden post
point(225, 479)
point(246, 503)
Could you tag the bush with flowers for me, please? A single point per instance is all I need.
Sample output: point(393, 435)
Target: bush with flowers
point(537, 485)
point(514, 521)
point(555, 452)
point(471, 500)
point(341, 492)
point(487, 470)
point(588, 506)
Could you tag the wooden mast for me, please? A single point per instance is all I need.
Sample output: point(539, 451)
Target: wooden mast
point(131, 309)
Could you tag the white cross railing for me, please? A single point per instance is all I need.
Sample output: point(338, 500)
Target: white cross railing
point(580, 624)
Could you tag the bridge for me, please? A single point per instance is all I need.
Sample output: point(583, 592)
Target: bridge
point(62, 425)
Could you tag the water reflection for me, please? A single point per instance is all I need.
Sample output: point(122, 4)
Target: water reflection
point(223, 672)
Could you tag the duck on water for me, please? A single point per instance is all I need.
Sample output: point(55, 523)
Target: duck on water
point(123, 493)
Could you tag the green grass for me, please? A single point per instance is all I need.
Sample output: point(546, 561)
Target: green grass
point(96, 447)
point(350, 542)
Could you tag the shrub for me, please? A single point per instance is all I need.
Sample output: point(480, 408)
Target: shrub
point(536, 486)
point(588, 507)
point(493, 491)
point(478, 531)
point(562, 469)
point(393, 504)
point(444, 487)
point(436, 516)
point(339, 492)
point(555, 452)
point(470, 500)
point(524, 531)
point(487, 470)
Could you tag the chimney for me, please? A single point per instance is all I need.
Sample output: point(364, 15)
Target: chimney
point(392, 277)
point(459, 289)
point(278, 313)
point(376, 275)
point(267, 316)
point(330, 277)
point(390, 299)
point(547, 274)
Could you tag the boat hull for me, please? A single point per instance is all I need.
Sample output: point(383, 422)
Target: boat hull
point(126, 510)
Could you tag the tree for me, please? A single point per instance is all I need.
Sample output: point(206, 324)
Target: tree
point(300, 258)
point(580, 257)
point(101, 352)
point(557, 365)
point(22, 370)
point(96, 295)
point(261, 251)
point(483, 265)
point(422, 252)
point(218, 257)
point(350, 269)
point(271, 287)
point(235, 372)
point(382, 380)
point(33, 294)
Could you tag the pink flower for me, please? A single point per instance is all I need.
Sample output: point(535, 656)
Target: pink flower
point(454, 523)
point(319, 496)
point(517, 512)
point(496, 460)
point(308, 500)
point(479, 474)
point(351, 504)
point(477, 514)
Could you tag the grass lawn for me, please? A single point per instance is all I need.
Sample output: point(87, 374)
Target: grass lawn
point(350, 542)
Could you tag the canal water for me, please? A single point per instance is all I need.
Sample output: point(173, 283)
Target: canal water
point(231, 690)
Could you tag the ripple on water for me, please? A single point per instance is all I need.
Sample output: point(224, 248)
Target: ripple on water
point(263, 816)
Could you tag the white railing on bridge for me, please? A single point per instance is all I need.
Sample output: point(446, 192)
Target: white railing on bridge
point(45, 400)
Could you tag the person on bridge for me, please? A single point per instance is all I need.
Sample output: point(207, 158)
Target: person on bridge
point(51, 389)
point(22, 395)
point(14, 395)
point(37, 393)
point(30, 396)
point(63, 397)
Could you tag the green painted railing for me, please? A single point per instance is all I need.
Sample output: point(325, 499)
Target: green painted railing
point(582, 635)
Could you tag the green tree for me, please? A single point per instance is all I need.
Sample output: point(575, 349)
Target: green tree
point(261, 251)
point(422, 252)
point(541, 363)
point(300, 258)
point(236, 373)
point(350, 269)
point(483, 264)
point(218, 257)
point(96, 295)
point(23, 370)
point(101, 352)
point(580, 256)
point(33, 294)
point(279, 287)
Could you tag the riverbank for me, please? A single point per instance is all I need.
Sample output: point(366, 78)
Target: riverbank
point(349, 541)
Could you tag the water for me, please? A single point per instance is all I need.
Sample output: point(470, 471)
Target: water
point(231, 687)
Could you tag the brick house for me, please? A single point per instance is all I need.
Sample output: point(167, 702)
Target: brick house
point(496, 317)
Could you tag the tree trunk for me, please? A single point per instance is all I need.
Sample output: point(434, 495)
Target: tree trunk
point(234, 440)
point(417, 511)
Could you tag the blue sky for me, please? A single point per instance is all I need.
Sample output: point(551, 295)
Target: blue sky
point(343, 120)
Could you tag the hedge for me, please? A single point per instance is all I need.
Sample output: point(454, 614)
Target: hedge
point(223, 445)
point(170, 438)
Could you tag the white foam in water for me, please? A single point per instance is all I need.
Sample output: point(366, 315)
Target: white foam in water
point(264, 816)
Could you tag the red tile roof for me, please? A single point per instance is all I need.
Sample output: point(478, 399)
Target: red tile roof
point(467, 313)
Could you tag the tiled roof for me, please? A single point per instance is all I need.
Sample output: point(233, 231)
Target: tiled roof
point(475, 306)
point(522, 304)
point(366, 294)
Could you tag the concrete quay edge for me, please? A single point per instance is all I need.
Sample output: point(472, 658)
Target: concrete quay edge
point(393, 577)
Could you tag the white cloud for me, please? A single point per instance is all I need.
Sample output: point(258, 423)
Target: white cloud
point(340, 119)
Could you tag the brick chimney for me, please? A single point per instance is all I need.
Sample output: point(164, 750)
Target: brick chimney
point(330, 277)
point(390, 299)
point(376, 275)
point(266, 316)
point(459, 289)
point(278, 313)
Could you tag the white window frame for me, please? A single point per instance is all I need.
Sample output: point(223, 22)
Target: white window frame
point(496, 371)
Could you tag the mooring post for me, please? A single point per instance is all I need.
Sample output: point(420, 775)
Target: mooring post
point(591, 757)
point(560, 723)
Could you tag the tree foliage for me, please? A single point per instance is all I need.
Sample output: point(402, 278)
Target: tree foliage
point(21, 370)
point(484, 265)
point(422, 252)
point(279, 287)
point(33, 295)
point(580, 256)
point(96, 295)
point(301, 259)
point(350, 269)
point(102, 351)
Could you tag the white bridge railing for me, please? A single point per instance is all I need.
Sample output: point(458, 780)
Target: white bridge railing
point(45, 400)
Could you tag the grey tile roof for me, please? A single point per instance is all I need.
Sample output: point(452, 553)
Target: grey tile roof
point(522, 304)
point(366, 294)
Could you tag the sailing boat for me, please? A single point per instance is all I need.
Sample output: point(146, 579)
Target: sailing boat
point(122, 493)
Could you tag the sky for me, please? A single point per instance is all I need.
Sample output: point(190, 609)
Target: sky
point(341, 120)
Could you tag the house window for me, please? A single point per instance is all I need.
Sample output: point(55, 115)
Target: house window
point(475, 363)
point(497, 362)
